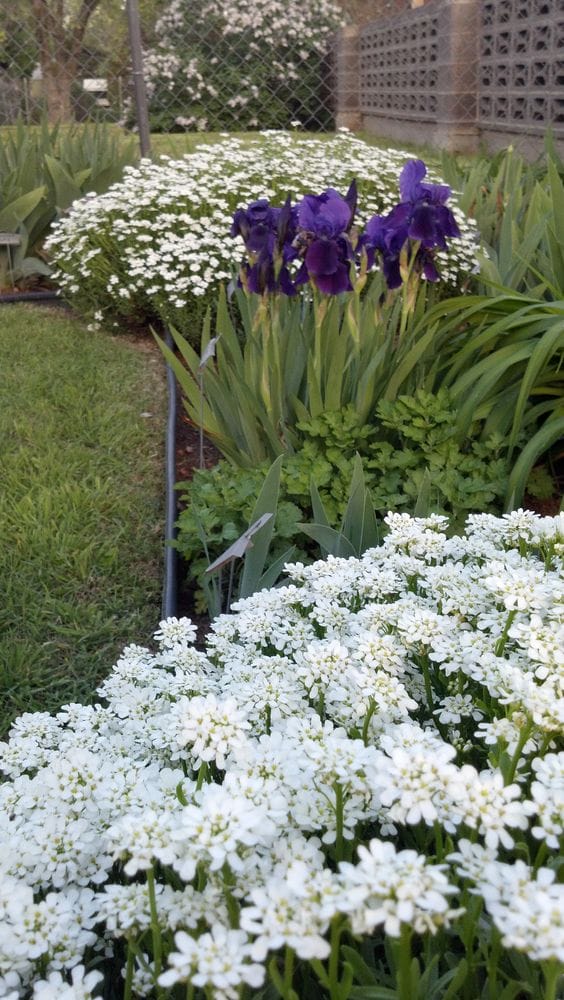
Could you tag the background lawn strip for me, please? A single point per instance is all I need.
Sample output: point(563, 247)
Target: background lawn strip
point(81, 505)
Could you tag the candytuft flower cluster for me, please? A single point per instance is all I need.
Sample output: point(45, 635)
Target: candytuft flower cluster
point(319, 775)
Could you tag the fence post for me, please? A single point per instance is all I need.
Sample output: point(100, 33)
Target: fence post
point(347, 79)
point(141, 107)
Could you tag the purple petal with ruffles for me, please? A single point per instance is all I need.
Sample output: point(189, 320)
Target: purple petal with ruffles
point(410, 180)
point(322, 257)
point(392, 273)
point(430, 269)
point(260, 239)
point(334, 284)
point(326, 214)
point(375, 232)
point(301, 275)
point(446, 221)
point(285, 282)
point(436, 193)
point(422, 224)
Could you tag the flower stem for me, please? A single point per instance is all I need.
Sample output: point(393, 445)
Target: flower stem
point(439, 846)
point(334, 985)
point(404, 964)
point(367, 718)
point(428, 685)
point(541, 855)
point(202, 774)
point(230, 900)
point(155, 928)
point(129, 969)
point(288, 972)
point(339, 821)
point(552, 972)
point(492, 964)
point(524, 736)
point(502, 641)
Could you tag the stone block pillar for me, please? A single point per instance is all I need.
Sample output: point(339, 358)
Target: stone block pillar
point(459, 33)
point(347, 79)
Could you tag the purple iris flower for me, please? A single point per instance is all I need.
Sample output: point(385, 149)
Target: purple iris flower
point(268, 234)
point(324, 223)
point(325, 215)
point(422, 215)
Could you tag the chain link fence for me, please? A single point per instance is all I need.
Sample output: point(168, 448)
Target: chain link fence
point(208, 65)
point(69, 60)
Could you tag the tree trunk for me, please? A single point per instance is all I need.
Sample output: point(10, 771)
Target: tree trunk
point(58, 78)
point(60, 39)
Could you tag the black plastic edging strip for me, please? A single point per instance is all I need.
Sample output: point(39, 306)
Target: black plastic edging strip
point(170, 586)
point(12, 297)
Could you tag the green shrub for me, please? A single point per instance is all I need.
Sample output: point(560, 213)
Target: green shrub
point(501, 357)
point(519, 211)
point(409, 451)
point(423, 453)
point(219, 507)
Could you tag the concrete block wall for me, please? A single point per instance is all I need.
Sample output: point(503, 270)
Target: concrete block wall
point(427, 73)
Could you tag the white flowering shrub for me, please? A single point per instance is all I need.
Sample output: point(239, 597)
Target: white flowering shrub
point(219, 64)
point(359, 783)
point(158, 242)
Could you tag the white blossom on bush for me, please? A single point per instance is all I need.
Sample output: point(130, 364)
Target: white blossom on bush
point(230, 62)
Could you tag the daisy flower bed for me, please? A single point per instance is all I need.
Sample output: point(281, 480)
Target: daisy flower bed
point(156, 244)
point(356, 790)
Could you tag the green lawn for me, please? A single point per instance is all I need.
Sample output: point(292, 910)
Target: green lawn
point(177, 145)
point(81, 505)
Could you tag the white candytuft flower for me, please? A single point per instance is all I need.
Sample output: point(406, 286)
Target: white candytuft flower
point(220, 960)
point(388, 888)
point(350, 714)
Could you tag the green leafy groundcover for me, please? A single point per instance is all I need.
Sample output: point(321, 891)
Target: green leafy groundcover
point(354, 792)
point(408, 441)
